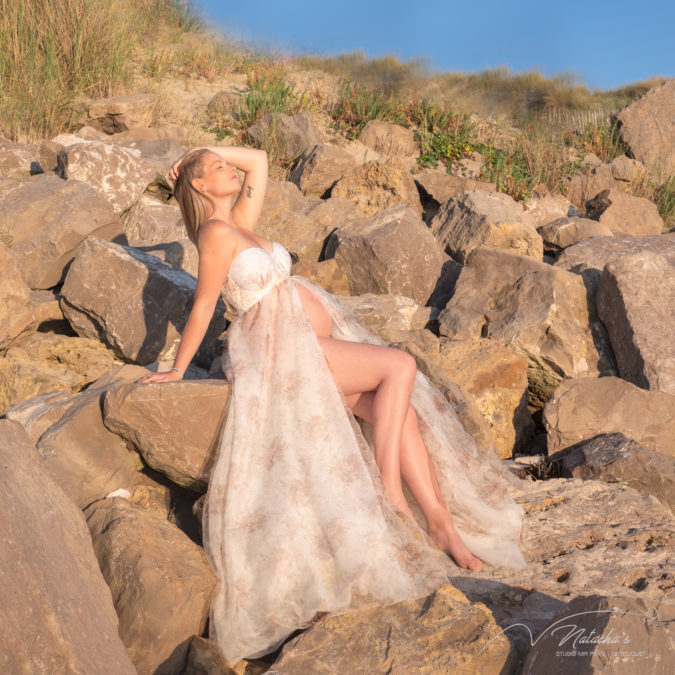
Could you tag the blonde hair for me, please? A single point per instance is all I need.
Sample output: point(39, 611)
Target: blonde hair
point(193, 205)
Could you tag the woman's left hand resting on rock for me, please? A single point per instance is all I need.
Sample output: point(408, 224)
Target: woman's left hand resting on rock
point(165, 376)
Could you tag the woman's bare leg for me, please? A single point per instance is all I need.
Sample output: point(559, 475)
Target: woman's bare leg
point(389, 374)
point(419, 475)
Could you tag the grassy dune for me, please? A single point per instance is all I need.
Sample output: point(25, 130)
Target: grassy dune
point(55, 55)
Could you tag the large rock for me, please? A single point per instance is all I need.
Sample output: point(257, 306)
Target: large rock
point(442, 633)
point(625, 213)
point(157, 228)
point(604, 634)
point(55, 606)
point(326, 273)
point(16, 311)
point(636, 302)
point(580, 537)
point(132, 302)
point(389, 139)
point(496, 379)
point(17, 159)
point(287, 136)
point(563, 232)
point(375, 186)
point(437, 186)
point(588, 258)
point(86, 459)
point(119, 113)
point(491, 219)
point(320, 168)
point(116, 172)
point(544, 208)
point(391, 252)
point(304, 230)
point(39, 363)
point(160, 579)
point(582, 409)
point(175, 427)
point(615, 458)
point(45, 219)
point(648, 127)
point(594, 176)
point(539, 310)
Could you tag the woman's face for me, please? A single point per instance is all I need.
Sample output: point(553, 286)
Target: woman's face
point(219, 178)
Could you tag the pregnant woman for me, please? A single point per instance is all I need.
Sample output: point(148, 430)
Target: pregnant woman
point(343, 478)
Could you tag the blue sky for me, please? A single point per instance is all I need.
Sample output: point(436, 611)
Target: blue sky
point(606, 44)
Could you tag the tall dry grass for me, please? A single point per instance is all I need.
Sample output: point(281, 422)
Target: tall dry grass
point(55, 53)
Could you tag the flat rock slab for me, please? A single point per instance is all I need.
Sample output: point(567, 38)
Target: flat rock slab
point(55, 606)
point(580, 537)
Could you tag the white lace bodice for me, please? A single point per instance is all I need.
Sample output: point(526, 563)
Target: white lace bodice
point(253, 273)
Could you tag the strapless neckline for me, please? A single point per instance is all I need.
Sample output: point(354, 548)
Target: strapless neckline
point(252, 248)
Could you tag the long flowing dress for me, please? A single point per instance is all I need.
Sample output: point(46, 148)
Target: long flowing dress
point(295, 521)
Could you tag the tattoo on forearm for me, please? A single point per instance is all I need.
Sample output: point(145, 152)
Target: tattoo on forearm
point(249, 191)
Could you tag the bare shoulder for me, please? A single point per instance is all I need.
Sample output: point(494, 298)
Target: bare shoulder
point(217, 236)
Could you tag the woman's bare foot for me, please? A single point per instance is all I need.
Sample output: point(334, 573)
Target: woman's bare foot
point(443, 533)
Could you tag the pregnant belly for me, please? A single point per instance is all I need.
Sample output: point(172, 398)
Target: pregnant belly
point(316, 312)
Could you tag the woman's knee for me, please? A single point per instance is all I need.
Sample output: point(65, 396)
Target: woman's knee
point(403, 364)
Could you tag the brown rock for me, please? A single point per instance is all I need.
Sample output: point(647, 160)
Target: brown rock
point(648, 127)
point(174, 426)
point(37, 414)
point(626, 169)
point(161, 582)
point(588, 258)
point(39, 363)
point(383, 313)
point(625, 213)
point(582, 409)
point(86, 459)
point(496, 379)
point(303, 231)
point(45, 220)
point(375, 186)
point(16, 311)
point(615, 458)
point(491, 219)
point(52, 596)
point(17, 159)
point(320, 168)
point(391, 252)
point(45, 305)
point(389, 139)
point(579, 538)
point(132, 302)
point(119, 113)
point(593, 177)
point(469, 167)
point(286, 135)
point(157, 228)
point(636, 302)
point(544, 208)
point(116, 172)
point(443, 633)
point(326, 273)
point(603, 634)
point(565, 232)
point(541, 313)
